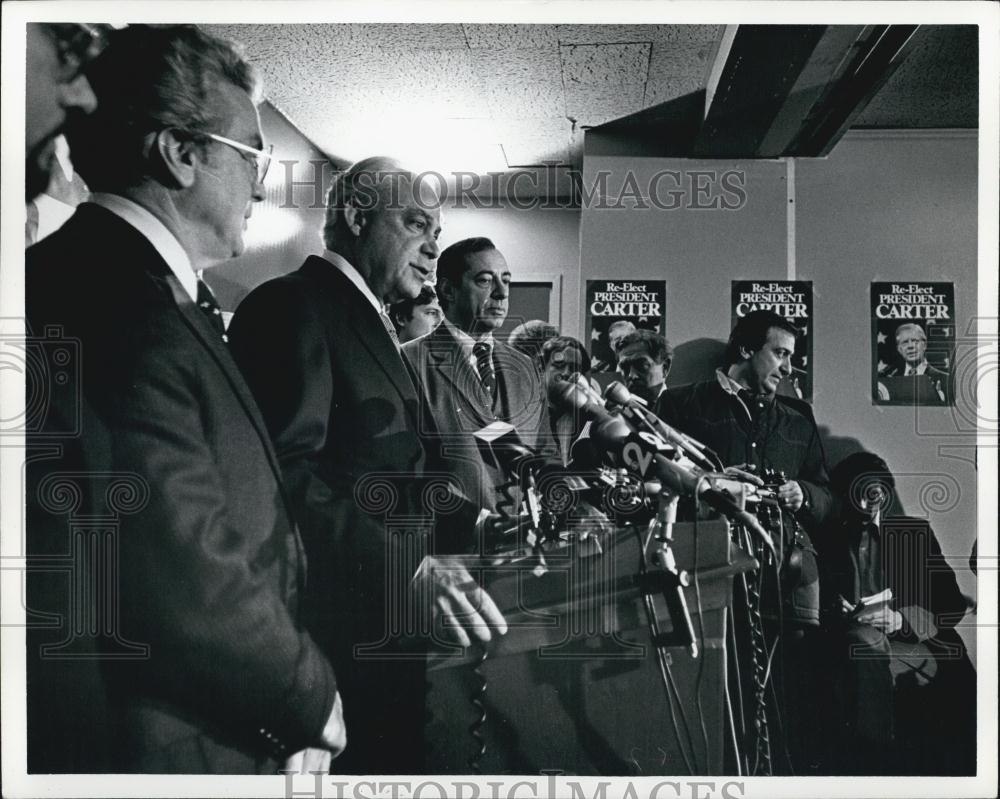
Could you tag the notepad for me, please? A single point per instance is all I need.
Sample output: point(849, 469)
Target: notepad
point(875, 602)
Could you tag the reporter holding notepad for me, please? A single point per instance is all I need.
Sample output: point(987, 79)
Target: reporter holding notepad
point(902, 688)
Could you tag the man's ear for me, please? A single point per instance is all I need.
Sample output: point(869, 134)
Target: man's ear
point(745, 354)
point(666, 367)
point(355, 218)
point(177, 157)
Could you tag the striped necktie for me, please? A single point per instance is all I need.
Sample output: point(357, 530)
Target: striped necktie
point(389, 328)
point(484, 365)
point(210, 307)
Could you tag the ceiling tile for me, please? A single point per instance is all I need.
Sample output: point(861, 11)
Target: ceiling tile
point(936, 86)
point(603, 81)
point(677, 69)
point(500, 37)
point(604, 65)
point(615, 34)
point(521, 84)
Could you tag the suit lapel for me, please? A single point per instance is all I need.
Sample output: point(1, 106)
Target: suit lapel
point(448, 358)
point(208, 337)
point(367, 328)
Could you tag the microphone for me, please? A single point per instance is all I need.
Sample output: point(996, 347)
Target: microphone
point(618, 394)
point(645, 454)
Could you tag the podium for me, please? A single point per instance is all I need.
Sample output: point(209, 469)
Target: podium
point(576, 686)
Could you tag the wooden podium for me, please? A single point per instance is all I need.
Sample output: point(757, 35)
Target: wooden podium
point(575, 686)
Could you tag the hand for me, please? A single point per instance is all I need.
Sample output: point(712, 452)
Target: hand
point(334, 735)
point(587, 519)
point(885, 619)
point(745, 472)
point(790, 495)
point(459, 605)
point(308, 761)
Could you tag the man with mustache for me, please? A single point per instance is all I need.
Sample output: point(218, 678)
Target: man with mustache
point(469, 378)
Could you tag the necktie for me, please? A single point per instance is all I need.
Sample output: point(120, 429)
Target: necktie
point(484, 365)
point(210, 307)
point(389, 328)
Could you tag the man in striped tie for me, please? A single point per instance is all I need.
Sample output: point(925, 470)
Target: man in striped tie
point(470, 378)
point(205, 665)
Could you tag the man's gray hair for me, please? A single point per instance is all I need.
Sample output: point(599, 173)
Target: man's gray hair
point(364, 185)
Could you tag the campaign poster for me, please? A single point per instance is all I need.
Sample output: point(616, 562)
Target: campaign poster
point(792, 300)
point(616, 308)
point(913, 343)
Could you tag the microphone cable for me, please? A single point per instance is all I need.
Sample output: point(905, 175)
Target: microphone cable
point(701, 625)
point(666, 674)
point(477, 698)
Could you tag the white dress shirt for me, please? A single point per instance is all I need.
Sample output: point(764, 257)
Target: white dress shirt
point(163, 241)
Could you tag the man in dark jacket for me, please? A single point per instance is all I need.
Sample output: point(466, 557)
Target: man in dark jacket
point(358, 451)
point(153, 482)
point(903, 687)
point(740, 415)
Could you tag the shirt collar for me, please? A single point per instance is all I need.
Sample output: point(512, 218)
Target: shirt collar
point(729, 385)
point(734, 387)
point(466, 341)
point(352, 274)
point(164, 242)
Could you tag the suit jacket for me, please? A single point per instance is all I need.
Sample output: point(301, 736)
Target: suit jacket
point(458, 405)
point(205, 665)
point(931, 371)
point(345, 417)
point(910, 562)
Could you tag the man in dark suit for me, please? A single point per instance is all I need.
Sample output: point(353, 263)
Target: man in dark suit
point(469, 378)
point(926, 381)
point(321, 356)
point(902, 698)
point(206, 667)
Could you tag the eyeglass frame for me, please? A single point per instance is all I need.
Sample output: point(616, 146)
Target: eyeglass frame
point(267, 155)
point(77, 44)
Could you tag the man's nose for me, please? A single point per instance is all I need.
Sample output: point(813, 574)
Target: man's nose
point(258, 192)
point(500, 290)
point(77, 93)
point(431, 248)
point(786, 366)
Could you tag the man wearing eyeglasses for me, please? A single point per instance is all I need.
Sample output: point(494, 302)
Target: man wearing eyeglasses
point(56, 90)
point(204, 661)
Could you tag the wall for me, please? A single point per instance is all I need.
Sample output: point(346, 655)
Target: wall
point(286, 226)
point(889, 206)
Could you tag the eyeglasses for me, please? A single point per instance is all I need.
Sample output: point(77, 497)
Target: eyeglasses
point(261, 159)
point(76, 44)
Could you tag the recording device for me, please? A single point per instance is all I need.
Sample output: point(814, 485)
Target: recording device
point(618, 395)
point(540, 496)
point(652, 458)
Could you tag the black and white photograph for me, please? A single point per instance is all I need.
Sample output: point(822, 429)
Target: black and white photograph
point(511, 401)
